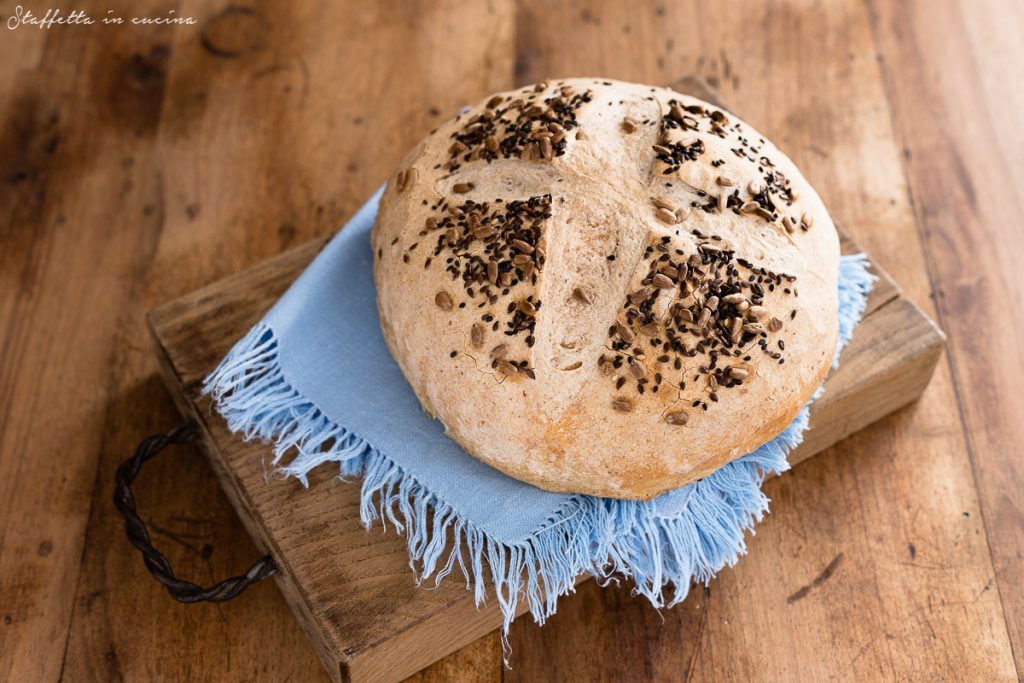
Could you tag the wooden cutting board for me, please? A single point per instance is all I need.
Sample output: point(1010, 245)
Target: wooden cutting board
point(352, 589)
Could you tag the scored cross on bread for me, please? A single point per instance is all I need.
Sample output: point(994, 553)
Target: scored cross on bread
point(606, 288)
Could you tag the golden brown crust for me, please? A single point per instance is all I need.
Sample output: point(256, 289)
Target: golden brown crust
point(542, 265)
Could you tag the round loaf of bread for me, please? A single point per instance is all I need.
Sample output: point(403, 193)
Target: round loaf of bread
point(606, 288)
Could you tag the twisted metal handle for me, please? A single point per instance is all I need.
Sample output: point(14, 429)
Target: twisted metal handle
point(138, 536)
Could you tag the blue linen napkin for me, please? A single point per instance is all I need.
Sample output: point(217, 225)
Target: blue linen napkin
point(315, 378)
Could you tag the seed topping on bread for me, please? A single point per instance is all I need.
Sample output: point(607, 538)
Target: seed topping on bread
point(534, 126)
point(697, 314)
point(495, 248)
point(493, 252)
point(679, 142)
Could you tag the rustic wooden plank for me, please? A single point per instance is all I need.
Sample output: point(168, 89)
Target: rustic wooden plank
point(335, 585)
point(908, 597)
point(73, 230)
point(959, 121)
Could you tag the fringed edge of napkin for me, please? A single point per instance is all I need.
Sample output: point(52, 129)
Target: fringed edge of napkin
point(604, 537)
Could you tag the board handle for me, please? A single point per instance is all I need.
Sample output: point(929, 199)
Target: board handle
point(138, 536)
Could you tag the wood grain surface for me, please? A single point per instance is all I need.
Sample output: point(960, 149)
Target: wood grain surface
point(351, 590)
point(140, 162)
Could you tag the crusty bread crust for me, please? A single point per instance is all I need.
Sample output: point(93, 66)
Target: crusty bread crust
point(642, 208)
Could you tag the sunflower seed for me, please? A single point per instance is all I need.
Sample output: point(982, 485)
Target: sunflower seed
point(624, 332)
point(663, 203)
point(507, 368)
point(443, 301)
point(759, 312)
point(737, 328)
point(483, 232)
point(546, 150)
point(662, 281)
point(666, 216)
point(407, 178)
point(640, 295)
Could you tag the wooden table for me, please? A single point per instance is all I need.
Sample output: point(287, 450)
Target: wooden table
point(140, 162)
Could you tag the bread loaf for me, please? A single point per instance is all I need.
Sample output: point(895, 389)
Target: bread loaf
point(606, 288)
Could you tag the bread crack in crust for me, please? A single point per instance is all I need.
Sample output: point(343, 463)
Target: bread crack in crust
point(606, 288)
